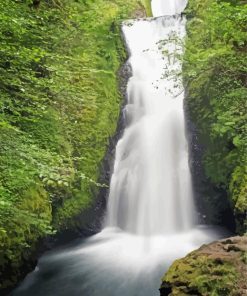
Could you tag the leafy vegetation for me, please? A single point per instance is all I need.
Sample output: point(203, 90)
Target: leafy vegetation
point(59, 105)
point(214, 71)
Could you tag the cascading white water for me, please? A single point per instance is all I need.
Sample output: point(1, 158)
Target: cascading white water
point(151, 191)
point(167, 7)
point(150, 220)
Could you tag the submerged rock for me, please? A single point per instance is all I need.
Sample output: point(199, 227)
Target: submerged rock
point(219, 268)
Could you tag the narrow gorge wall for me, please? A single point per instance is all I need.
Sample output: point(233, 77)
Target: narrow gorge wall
point(59, 106)
point(215, 78)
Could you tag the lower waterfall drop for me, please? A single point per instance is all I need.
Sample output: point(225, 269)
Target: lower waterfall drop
point(151, 191)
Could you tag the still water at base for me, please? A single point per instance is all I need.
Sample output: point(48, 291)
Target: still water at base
point(112, 263)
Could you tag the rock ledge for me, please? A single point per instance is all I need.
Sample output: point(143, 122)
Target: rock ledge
point(219, 268)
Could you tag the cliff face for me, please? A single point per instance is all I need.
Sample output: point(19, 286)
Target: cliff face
point(219, 268)
point(60, 105)
point(214, 73)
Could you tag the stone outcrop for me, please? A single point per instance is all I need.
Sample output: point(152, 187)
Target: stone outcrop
point(219, 268)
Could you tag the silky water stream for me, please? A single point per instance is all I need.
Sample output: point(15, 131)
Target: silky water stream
point(150, 219)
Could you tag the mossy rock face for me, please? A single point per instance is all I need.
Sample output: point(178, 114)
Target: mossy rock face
point(214, 64)
point(60, 104)
point(216, 269)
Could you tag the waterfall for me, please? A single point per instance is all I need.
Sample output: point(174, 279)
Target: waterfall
point(168, 7)
point(150, 218)
point(151, 190)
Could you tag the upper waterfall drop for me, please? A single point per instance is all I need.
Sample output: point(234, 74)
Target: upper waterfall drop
point(167, 7)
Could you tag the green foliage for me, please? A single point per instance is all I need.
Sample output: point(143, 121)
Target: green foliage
point(214, 70)
point(59, 104)
point(148, 8)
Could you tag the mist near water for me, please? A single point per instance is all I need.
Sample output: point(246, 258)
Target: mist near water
point(151, 217)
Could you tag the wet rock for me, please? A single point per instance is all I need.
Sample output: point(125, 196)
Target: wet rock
point(219, 268)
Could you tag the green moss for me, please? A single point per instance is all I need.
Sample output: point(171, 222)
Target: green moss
point(147, 5)
point(59, 105)
point(202, 276)
point(215, 269)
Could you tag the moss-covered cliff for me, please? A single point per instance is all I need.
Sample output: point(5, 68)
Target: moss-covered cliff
point(217, 269)
point(59, 105)
point(214, 72)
